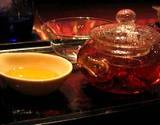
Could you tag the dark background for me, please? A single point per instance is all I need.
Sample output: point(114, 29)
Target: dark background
point(97, 1)
point(51, 9)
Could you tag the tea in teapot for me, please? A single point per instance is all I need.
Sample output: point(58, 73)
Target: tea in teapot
point(123, 57)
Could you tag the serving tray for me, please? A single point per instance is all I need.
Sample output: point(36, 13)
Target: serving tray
point(76, 102)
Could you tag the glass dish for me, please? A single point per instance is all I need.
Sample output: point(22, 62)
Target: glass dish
point(68, 34)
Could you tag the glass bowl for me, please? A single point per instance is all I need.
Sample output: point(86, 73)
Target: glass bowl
point(69, 34)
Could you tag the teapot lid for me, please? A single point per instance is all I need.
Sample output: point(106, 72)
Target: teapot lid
point(125, 38)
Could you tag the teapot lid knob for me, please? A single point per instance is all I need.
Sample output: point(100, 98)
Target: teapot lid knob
point(125, 38)
point(125, 16)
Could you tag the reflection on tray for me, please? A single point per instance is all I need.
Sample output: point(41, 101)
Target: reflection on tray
point(22, 107)
point(76, 99)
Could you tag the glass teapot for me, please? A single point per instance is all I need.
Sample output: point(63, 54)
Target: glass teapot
point(123, 57)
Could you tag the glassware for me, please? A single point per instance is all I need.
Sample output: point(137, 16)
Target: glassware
point(68, 34)
point(16, 20)
point(122, 58)
point(157, 8)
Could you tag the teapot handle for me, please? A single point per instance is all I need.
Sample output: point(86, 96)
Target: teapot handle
point(94, 66)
